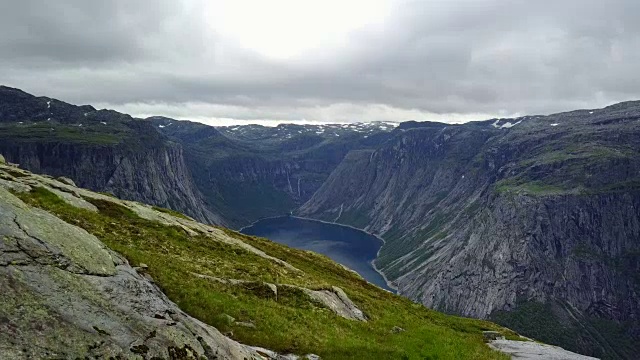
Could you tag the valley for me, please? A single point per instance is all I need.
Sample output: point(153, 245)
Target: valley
point(352, 248)
point(532, 223)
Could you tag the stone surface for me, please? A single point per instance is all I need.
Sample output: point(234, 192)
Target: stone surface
point(66, 180)
point(527, 350)
point(66, 296)
point(337, 301)
point(492, 335)
point(334, 299)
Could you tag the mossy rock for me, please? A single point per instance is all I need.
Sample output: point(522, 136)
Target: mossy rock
point(2, 160)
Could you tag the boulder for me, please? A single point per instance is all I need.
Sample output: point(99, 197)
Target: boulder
point(492, 335)
point(66, 180)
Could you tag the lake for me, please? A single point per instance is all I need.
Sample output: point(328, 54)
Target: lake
point(347, 246)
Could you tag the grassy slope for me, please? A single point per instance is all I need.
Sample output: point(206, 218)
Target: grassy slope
point(49, 132)
point(291, 323)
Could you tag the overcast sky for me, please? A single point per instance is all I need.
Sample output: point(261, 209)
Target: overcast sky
point(325, 60)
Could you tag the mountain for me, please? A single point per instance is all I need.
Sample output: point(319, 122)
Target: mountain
point(251, 172)
point(87, 275)
point(99, 149)
point(531, 222)
point(228, 175)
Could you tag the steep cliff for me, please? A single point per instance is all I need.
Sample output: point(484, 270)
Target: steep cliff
point(251, 172)
point(534, 222)
point(99, 149)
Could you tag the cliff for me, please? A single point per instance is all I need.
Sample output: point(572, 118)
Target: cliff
point(532, 222)
point(251, 172)
point(98, 149)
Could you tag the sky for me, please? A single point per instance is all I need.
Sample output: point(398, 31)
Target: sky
point(239, 61)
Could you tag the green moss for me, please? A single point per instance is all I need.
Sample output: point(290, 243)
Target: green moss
point(535, 188)
point(290, 323)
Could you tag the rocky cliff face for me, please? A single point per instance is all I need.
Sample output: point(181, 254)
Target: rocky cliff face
point(534, 218)
point(101, 150)
point(251, 172)
point(155, 175)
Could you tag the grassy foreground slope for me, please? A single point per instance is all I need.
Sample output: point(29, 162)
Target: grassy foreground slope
point(191, 261)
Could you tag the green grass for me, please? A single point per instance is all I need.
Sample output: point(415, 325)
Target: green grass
point(171, 212)
point(535, 188)
point(53, 132)
point(291, 323)
point(551, 324)
point(594, 152)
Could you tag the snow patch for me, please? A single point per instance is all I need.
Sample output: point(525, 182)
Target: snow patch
point(49, 104)
point(161, 126)
point(555, 124)
point(509, 125)
point(103, 123)
point(590, 112)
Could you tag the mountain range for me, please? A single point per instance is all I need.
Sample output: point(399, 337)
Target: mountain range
point(533, 222)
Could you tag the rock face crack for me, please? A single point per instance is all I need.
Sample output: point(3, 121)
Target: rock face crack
point(46, 256)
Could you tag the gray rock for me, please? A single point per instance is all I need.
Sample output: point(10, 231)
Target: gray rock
point(66, 180)
point(338, 302)
point(478, 220)
point(65, 295)
point(528, 350)
point(155, 175)
point(228, 319)
point(492, 335)
point(335, 299)
point(397, 330)
point(246, 324)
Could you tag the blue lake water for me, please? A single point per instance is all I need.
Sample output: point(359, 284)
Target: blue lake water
point(347, 246)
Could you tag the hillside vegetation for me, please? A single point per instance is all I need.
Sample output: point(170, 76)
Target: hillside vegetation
point(224, 279)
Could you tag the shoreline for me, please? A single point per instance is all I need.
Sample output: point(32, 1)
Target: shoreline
point(372, 262)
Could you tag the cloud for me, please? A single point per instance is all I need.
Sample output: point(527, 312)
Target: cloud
point(452, 60)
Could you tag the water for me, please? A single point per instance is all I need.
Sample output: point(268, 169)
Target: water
point(347, 246)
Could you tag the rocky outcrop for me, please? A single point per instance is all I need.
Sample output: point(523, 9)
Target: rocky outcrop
point(528, 350)
point(491, 221)
point(334, 299)
point(337, 301)
point(156, 175)
point(67, 296)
